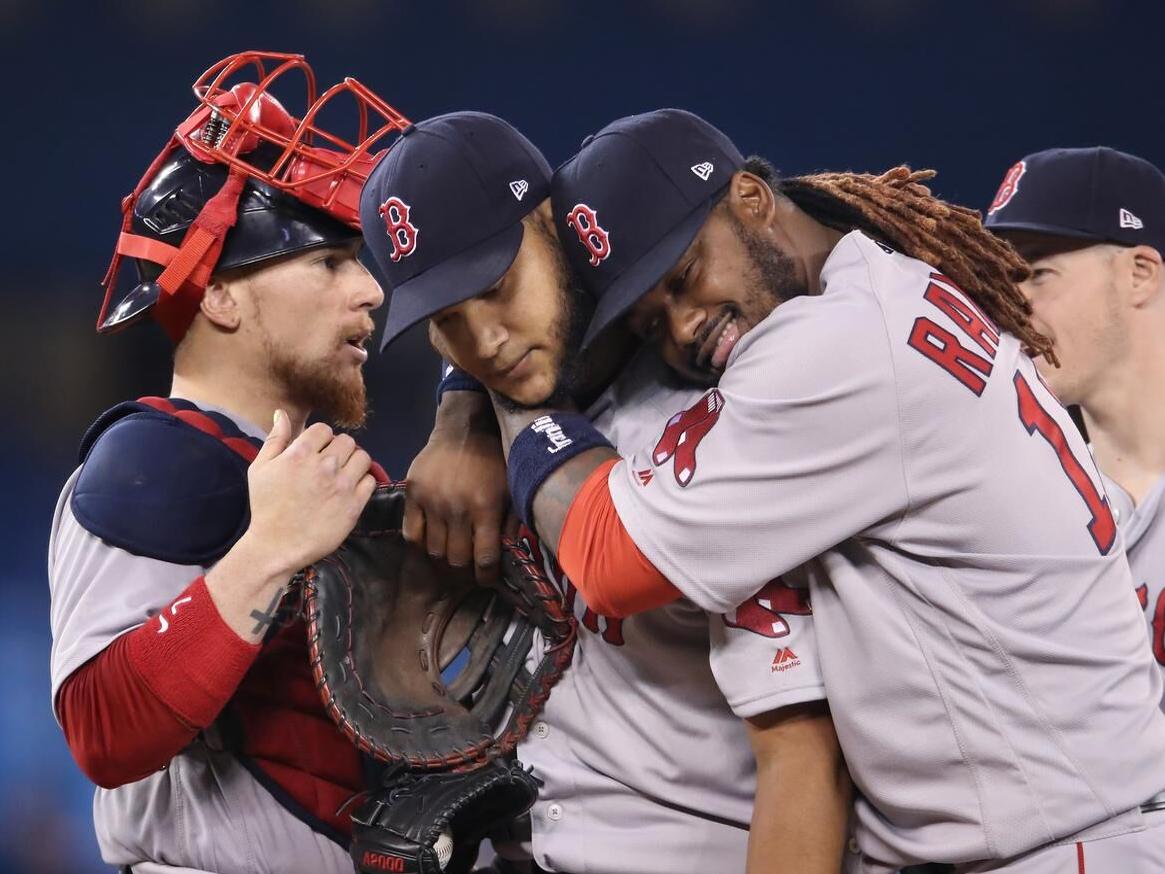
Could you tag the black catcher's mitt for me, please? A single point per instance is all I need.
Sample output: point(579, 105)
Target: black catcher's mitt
point(426, 670)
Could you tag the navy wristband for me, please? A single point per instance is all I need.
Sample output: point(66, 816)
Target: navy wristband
point(541, 448)
point(457, 380)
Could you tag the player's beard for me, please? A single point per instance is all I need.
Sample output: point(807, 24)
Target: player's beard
point(771, 278)
point(337, 394)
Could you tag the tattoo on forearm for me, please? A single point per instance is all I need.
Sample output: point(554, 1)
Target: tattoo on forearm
point(558, 492)
point(265, 619)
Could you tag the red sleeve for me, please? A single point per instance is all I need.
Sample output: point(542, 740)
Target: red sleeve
point(136, 704)
point(600, 558)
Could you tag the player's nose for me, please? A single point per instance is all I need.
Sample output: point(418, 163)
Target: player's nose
point(684, 322)
point(487, 331)
point(367, 293)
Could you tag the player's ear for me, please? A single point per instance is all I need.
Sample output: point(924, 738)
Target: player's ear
point(1147, 273)
point(750, 198)
point(220, 304)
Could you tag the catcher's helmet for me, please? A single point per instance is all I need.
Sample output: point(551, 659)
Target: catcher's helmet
point(241, 181)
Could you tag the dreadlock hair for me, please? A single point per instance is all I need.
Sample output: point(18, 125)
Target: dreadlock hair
point(897, 208)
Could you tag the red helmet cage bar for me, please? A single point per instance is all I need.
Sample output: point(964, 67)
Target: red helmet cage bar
point(328, 178)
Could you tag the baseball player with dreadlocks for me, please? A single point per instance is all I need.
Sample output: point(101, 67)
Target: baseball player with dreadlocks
point(181, 682)
point(646, 747)
point(876, 412)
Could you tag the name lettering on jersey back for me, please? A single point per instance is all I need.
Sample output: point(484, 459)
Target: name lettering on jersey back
point(609, 629)
point(944, 347)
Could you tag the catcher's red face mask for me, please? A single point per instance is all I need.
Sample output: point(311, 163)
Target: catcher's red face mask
point(318, 167)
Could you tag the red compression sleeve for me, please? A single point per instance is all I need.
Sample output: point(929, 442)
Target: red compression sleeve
point(136, 704)
point(600, 558)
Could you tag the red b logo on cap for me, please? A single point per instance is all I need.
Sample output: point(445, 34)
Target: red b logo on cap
point(401, 231)
point(1007, 188)
point(586, 224)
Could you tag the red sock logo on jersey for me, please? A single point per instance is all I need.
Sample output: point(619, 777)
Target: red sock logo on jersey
point(401, 231)
point(684, 432)
point(761, 614)
point(585, 222)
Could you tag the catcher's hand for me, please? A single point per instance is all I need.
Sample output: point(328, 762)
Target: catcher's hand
point(417, 664)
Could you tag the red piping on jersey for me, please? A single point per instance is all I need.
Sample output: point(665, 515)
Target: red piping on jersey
point(240, 445)
point(134, 706)
point(600, 558)
point(1080, 858)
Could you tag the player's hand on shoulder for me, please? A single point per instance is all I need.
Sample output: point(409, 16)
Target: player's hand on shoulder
point(307, 493)
point(457, 499)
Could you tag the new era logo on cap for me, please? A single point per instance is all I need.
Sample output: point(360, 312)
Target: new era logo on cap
point(519, 187)
point(703, 170)
point(1128, 220)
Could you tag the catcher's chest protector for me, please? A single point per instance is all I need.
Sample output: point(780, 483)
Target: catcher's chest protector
point(163, 479)
point(428, 672)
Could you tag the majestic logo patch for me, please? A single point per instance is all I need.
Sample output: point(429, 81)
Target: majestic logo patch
point(519, 187)
point(703, 169)
point(784, 660)
point(1008, 187)
point(402, 232)
point(591, 234)
point(683, 433)
point(1128, 220)
point(764, 613)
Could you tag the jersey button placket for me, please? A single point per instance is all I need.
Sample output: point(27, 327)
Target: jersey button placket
point(541, 730)
point(554, 812)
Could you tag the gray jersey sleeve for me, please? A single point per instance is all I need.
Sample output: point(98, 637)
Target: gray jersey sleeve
point(764, 651)
point(805, 396)
point(98, 591)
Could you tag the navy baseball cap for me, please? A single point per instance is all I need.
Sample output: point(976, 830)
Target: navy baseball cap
point(633, 199)
point(1095, 194)
point(442, 212)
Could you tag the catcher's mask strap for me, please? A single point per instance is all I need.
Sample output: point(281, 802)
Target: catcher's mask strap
point(189, 266)
point(157, 252)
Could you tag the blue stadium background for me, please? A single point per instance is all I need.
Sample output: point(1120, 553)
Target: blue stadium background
point(92, 90)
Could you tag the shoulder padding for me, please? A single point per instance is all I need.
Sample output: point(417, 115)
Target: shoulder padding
point(156, 486)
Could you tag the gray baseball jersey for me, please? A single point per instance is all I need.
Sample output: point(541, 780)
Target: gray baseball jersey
point(647, 763)
point(204, 811)
point(984, 655)
point(1143, 529)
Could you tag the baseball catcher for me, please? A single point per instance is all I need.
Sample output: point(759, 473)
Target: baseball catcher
point(434, 677)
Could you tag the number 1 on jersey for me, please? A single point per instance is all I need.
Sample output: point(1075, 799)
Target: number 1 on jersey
point(1035, 418)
